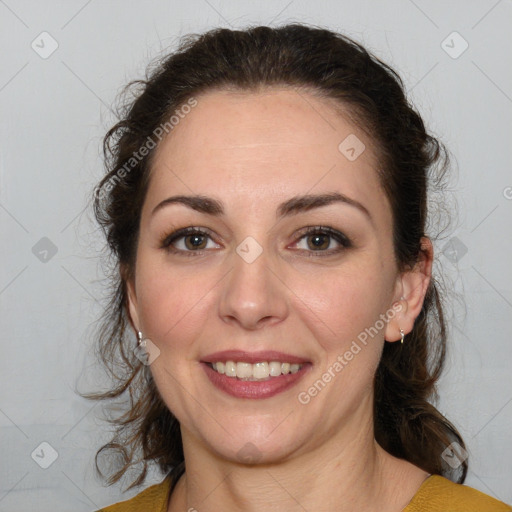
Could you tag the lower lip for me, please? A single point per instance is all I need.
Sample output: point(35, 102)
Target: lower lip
point(251, 388)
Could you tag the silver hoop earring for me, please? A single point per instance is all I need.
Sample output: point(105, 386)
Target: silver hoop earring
point(402, 336)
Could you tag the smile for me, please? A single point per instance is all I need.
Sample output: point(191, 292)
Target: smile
point(254, 374)
point(263, 370)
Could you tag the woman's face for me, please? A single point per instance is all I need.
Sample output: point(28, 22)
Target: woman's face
point(257, 288)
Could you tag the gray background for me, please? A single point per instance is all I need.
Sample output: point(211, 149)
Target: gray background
point(54, 112)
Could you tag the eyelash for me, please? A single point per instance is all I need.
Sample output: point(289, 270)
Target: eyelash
point(343, 240)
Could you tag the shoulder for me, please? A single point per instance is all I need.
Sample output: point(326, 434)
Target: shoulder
point(438, 494)
point(152, 499)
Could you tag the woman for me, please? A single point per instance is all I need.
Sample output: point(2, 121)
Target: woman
point(266, 204)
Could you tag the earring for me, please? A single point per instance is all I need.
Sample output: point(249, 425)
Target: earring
point(140, 337)
point(402, 336)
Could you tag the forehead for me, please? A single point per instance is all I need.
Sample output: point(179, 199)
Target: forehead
point(260, 145)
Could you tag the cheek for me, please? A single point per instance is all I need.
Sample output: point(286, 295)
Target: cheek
point(170, 303)
point(343, 304)
point(342, 308)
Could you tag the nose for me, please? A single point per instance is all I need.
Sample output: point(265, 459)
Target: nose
point(253, 295)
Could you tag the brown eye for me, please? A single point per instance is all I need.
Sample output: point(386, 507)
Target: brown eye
point(316, 242)
point(320, 240)
point(195, 242)
point(186, 241)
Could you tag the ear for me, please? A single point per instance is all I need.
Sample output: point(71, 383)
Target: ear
point(411, 288)
point(131, 305)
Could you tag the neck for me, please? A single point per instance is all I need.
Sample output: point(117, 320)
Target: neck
point(348, 472)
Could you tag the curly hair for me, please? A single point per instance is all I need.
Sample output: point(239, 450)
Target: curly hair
point(332, 66)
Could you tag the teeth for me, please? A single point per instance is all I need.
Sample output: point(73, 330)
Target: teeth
point(275, 369)
point(230, 369)
point(259, 371)
point(243, 370)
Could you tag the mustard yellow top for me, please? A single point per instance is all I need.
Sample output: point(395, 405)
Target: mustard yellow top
point(436, 494)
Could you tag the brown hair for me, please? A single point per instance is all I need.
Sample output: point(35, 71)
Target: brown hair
point(332, 66)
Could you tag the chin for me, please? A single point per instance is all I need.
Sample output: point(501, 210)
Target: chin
point(250, 447)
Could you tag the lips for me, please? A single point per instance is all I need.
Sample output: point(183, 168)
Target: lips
point(259, 384)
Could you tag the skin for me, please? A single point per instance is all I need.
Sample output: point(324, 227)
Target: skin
point(253, 151)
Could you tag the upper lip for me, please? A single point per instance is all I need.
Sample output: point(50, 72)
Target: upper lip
point(253, 357)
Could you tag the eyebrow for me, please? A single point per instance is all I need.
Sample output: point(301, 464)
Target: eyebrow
point(292, 206)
